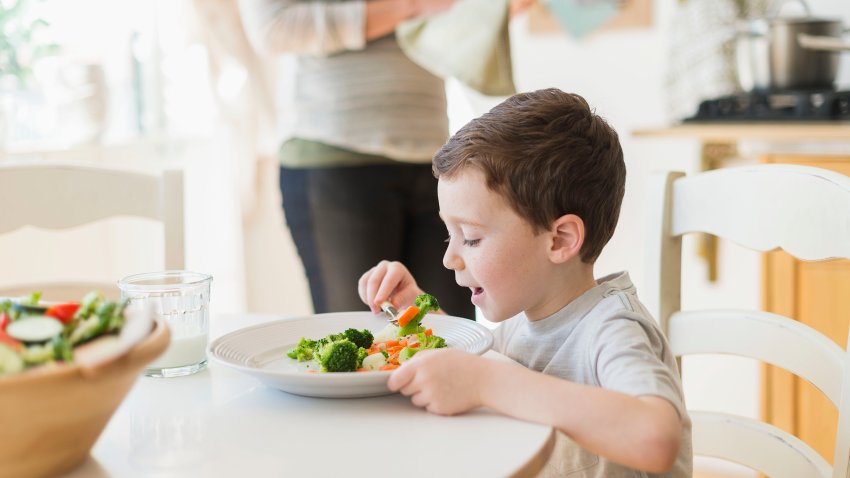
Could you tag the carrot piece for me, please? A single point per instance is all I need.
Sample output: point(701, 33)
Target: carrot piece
point(363, 369)
point(391, 343)
point(428, 332)
point(408, 315)
point(389, 366)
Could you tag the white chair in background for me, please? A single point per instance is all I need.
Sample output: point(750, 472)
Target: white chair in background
point(806, 212)
point(53, 195)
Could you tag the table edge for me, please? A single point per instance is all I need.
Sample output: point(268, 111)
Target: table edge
point(535, 464)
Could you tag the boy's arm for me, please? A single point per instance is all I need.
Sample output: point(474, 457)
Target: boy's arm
point(638, 432)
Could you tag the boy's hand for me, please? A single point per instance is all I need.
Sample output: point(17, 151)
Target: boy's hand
point(444, 381)
point(388, 281)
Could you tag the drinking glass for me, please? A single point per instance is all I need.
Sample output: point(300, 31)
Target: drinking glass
point(181, 299)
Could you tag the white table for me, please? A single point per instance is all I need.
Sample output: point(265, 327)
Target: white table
point(222, 423)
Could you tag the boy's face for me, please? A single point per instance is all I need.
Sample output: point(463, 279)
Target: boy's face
point(492, 250)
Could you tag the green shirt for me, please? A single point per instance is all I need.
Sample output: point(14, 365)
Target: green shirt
point(304, 153)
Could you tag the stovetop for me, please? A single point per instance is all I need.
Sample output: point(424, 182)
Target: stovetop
point(779, 106)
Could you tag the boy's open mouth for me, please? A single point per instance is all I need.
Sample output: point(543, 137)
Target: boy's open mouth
point(477, 295)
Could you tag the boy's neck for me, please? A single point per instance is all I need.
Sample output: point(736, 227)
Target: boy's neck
point(568, 283)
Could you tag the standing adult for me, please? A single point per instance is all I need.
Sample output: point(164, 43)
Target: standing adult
point(355, 176)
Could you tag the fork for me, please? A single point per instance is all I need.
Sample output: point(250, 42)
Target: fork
point(390, 311)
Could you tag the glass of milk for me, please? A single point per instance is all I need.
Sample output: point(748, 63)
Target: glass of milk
point(180, 299)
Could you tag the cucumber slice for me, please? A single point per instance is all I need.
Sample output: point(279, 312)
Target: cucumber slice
point(10, 362)
point(34, 329)
point(25, 309)
point(38, 354)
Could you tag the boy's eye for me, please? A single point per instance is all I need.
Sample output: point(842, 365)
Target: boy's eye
point(471, 242)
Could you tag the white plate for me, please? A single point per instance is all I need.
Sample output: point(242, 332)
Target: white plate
point(261, 350)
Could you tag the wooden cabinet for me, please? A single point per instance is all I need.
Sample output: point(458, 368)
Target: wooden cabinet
point(816, 293)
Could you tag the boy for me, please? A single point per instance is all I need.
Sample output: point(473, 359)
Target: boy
point(530, 193)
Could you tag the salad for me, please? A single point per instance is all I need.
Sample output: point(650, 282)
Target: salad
point(34, 334)
point(361, 351)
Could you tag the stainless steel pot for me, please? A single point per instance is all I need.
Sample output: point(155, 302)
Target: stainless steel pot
point(795, 66)
point(789, 52)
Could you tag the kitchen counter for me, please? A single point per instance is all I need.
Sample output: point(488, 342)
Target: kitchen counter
point(729, 132)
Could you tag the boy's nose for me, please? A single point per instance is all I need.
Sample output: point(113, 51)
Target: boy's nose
point(451, 260)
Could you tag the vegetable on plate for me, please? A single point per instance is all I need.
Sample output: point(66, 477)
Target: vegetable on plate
point(361, 351)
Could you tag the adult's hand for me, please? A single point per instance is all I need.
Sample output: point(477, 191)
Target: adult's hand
point(382, 16)
point(430, 7)
point(520, 6)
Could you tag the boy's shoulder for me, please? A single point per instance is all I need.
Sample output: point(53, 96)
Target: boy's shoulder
point(614, 297)
point(618, 311)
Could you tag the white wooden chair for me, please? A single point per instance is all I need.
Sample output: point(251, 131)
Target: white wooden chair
point(806, 212)
point(61, 195)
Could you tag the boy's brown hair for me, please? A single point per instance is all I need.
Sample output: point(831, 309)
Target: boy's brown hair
point(548, 155)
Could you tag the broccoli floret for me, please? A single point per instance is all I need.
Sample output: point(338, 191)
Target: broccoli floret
point(304, 350)
point(361, 354)
point(426, 303)
point(434, 342)
point(339, 356)
point(361, 338)
point(321, 343)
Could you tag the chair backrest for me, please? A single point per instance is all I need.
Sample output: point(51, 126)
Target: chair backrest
point(59, 195)
point(802, 210)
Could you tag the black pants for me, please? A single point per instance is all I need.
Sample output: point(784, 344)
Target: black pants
point(344, 220)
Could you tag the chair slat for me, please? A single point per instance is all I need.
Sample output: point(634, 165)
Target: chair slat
point(759, 207)
point(756, 445)
point(763, 336)
point(40, 192)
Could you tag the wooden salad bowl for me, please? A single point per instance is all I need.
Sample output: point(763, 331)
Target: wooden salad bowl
point(51, 416)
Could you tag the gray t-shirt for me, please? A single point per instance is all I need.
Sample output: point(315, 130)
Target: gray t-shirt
point(606, 338)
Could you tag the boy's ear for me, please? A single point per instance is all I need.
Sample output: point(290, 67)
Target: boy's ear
point(567, 234)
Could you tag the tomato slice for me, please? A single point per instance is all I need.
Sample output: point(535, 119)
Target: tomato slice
point(64, 312)
point(12, 343)
point(4, 320)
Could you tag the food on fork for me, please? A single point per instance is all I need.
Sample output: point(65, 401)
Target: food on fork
point(360, 350)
